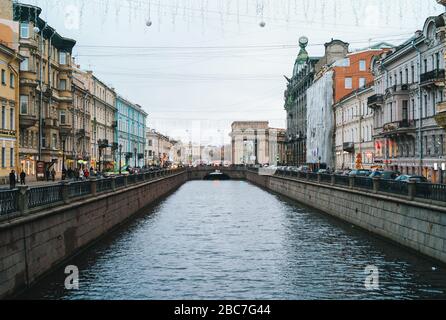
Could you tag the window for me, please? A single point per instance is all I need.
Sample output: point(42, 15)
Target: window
point(62, 58)
point(62, 84)
point(361, 82)
point(407, 76)
point(24, 66)
point(54, 141)
point(11, 80)
point(412, 68)
point(362, 65)
point(3, 157)
point(425, 65)
point(401, 77)
point(348, 83)
point(62, 117)
point(4, 77)
point(11, 119)
point(405, 110)
point(23, 104)
point(3, 117)
point(437, 58)
point(24, 30)
point(11, 157)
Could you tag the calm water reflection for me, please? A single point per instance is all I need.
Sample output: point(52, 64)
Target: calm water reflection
point(232, 240)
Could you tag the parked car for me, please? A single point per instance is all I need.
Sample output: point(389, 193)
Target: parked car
point(303, 169)
point(360, 173)
point(386, 175)
point(407, 178)
point(323, 171)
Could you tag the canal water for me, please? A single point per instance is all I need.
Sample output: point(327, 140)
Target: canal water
point(233, 240)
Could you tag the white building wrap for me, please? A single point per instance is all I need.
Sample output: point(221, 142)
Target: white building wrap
point(320, 121)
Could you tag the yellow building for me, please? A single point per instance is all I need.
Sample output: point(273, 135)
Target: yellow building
point(9, 93)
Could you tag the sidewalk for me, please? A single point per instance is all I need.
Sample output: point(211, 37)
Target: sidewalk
point(34, 183)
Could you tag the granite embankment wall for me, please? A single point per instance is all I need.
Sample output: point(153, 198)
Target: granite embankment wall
point(34, 244)
point(416, 225)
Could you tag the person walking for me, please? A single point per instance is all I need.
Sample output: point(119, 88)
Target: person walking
point(12, 180)
point(22, 178)
point(81, 174)
point(53, 174)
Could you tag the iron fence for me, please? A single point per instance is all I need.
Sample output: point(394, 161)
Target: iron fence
point(103, 185)
point(131, 179)
point(312, 176)
point(79, 189)
point(40, 196)
point(325, 178)
point(430, 191)
point(342, 180)
point(364, 183)
point(8, 201)
point(395, 187)
point(119, 182)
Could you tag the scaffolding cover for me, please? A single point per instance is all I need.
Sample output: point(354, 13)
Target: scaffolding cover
point(320, 121)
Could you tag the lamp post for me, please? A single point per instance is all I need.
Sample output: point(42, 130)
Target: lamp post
point(120, 163)
point(136, 151)
point(63, 159)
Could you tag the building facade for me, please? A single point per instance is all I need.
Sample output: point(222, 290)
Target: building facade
point(9, 97)
point(254, 142)
point(159, 149)
point(78, 144)
point(406, 102)
point(296, 105)
point(354, 131)
point(131, 132)
point(103, 108)
point(45, 91)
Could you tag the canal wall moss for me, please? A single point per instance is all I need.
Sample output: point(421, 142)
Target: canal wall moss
point(33, 245)
point(415, 225)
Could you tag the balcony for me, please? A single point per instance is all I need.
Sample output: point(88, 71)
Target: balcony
point(375, 101)
point(440, 117)
point(27, 120)
point(65, 129)
point(348, 147)
point(49, 122)
point(398, 89)
point(433, 78)
point(8, 133)
point(80, 133)
point(399, 127)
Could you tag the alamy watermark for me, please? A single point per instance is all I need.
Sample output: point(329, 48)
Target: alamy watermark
point(72, 280)
point(371, 281)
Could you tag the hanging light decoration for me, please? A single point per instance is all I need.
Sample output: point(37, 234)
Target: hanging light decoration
point(149, 20)
point(260, 8)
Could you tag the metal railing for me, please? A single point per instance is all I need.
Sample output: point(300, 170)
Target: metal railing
point(104, 185)
point(8, 201)
point(364, 183)
point(79, 189)
point(25, 199)
point(425, 192)
point(395, 187)
point(342, 180)
point(40, 196)
point(430, 191)
point(119, 182)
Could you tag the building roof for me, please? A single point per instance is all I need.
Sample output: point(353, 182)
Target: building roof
point(30, 13)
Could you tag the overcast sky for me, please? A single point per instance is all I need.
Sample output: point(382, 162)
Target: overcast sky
point(205, 63)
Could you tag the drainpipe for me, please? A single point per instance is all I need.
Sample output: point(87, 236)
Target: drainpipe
point(420, 108)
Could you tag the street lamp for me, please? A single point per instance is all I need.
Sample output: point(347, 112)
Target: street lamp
point(136, 150)
point(120, 154)
point(63, 159)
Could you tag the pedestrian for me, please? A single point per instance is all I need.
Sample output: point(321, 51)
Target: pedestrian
point(22, 177)
point(81, 174)
point(86, 173)
point(53, 174)
point(47, 173)
point(12, 179)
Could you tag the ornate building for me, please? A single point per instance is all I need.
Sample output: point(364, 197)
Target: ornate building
point(9, 92)
point(407, 102)
point(296, 105)
point(131, 132)
point(45, 90)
